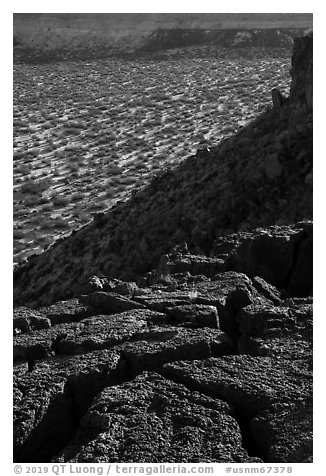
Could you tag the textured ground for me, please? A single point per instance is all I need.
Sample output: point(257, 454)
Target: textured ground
point(87, 136)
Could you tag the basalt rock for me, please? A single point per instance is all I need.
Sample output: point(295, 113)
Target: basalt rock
point(26, 320)
point(259, 361)
point(271, 432)
point(154, 419)
point(109, 302)
point(198, 315)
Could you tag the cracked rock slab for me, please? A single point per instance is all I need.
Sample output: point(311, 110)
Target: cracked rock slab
point(154, 419)
point(66, 311)
point(149, 352)
point(26, 320)
point(290, 347)
point(229, 292)
point(49, 401)
point(93, 333)
point(250, 384)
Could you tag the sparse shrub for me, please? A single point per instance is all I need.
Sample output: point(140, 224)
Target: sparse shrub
point(23, 169)
point(30, 200)
point(109, 193)
point(56, 172)
point(83, 217)
point(60, 222)
point(60, 201)
point(75, 197)
point(35, 187)
point(47, 207)
point(18, 234)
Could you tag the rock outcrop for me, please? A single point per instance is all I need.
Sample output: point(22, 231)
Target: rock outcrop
point(208, 356)
point(214, 362)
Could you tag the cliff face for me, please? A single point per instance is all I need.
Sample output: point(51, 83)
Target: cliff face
point(302, 72)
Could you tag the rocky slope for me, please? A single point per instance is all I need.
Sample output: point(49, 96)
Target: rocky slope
point(202, 365)
point(208, 357)
point(260, 176)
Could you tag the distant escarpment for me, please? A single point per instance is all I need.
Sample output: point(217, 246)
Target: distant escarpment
point(260, 176)
point(233, 38)
point(35, 45)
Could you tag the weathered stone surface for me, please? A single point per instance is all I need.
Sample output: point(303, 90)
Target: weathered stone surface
point(197, 314)
point(67, 311)
point(160, 347)
point(267, 290)
point(49, 401)
point(156, 420)
point(109, 302)
point(284, 432)
point(126, 288)
point(261, 320)
point(249, 383)
point(287, 347)
point(25, 320)
point(228, 292)
point(97, 332)
point(160, 300)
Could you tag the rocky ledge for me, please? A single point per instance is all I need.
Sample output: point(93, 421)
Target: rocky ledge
point(204, 360)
